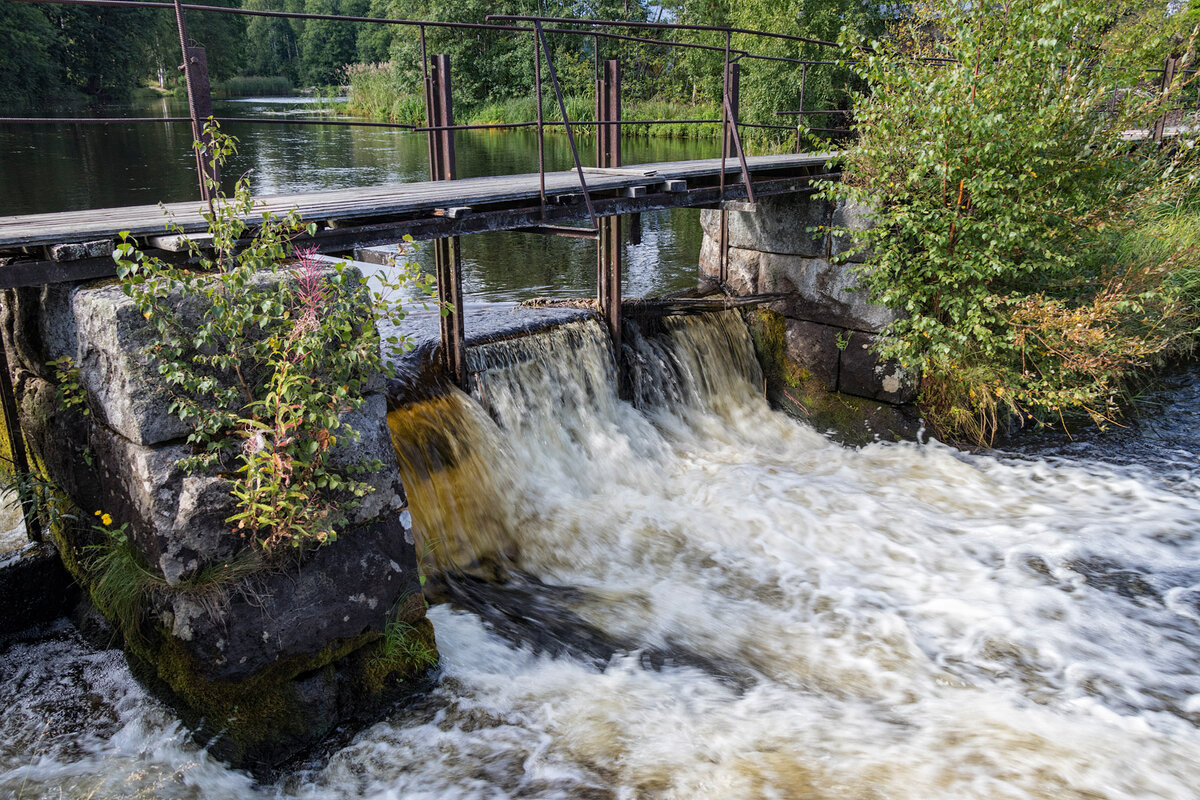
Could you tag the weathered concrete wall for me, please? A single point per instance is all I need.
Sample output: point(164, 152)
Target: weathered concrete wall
point(830, 326)
point(267, 652)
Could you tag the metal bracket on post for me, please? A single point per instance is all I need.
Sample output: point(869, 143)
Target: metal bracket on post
point(608, 155)
point(447, 261)
point(198, 61)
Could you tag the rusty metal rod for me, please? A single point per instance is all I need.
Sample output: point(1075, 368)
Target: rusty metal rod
point(222, 120)
point(658, 26)
point(770, 127)
point(250, 12)
point(541, 120)
point(737, 145)
point(687, 45)
point(193, 116)
point(562, 107)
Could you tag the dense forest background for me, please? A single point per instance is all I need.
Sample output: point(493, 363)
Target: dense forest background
point(73, 54)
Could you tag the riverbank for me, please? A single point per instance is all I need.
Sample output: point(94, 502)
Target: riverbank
point(375, 94)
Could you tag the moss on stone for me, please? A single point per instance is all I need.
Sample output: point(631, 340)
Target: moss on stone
point(850, 420)
point(390, 663)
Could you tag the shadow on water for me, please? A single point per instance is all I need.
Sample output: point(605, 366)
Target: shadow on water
point(528, 612)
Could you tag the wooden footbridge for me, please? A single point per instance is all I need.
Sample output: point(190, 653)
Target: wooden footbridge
point(77, 245)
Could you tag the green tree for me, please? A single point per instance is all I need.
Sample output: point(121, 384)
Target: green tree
point(326, 47)
point(28, 72)
point(273, 41)
point(1002, 200)
point(223, 36)
point(96, 51)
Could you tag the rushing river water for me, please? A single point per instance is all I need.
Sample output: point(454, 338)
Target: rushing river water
point(67, 167)
point(710, 600)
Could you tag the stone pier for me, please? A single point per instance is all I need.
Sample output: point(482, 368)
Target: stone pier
point(262, 654)
point(825, 331)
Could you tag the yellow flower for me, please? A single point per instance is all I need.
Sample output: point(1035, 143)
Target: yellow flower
point(106, 519)
point(98, 513)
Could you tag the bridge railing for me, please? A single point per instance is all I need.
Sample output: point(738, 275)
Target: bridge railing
point(440, 126)
point(195, 74)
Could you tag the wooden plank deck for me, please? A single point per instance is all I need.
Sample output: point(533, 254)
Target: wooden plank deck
point(361, 204)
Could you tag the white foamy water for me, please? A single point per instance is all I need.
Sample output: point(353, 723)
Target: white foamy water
point(797, 619)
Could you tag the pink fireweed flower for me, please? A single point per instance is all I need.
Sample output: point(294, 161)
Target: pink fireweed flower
point(312, 294)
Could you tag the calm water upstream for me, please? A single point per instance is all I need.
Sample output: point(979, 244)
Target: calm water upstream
point(65, 167)
point(710, 600)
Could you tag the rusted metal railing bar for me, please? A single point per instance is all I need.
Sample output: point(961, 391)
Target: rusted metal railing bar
point(658, 26)
point(767, 127)
point(557, 123)
point(541, 123)
point(562, 107)
point(823, 111)
point(737, 145)
point(724, 113)
point(140, 120)
point(687, 45)
point(193, 114)
point(359, 123)
point(252, 12)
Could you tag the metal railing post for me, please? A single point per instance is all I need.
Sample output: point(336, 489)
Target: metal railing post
point(1170, 65)
point(800, 116)
point(541, 122)
point(16, 442)
point(608, 155)
point(446, 255)
point(195, 79)
point(562, 107)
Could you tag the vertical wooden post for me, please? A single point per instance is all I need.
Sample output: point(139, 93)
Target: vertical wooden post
point(732, 84)
point(1168, 76)
point(16, 441)
point(608, 154)
point(447, 261)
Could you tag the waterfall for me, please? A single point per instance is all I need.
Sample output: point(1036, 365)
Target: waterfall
point(543, 415)
point(687, 594)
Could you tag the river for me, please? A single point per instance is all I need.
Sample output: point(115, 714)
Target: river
point(68, 167)
point(711, 600)
point(708, 599)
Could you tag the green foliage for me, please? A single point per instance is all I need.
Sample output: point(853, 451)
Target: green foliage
point(120, 580)
point(403, 643)
point(27, 67)
point(1000, 199)
point(327, 47)
point(255, 86)
point(92, 48)
point(51, 508)
point(263, 364)
point(71, 393)
point(1144, 32)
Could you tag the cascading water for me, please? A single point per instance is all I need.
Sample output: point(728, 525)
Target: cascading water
point(747, 610)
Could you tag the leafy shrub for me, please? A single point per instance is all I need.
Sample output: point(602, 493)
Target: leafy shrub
point(1001, 200)
point(263, 361)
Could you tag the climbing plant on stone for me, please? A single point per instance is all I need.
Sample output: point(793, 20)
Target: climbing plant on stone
point(266, 359)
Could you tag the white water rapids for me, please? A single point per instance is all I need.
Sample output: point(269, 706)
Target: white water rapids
point(798, 619)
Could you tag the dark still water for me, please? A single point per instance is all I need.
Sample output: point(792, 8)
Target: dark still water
point(46, 168)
